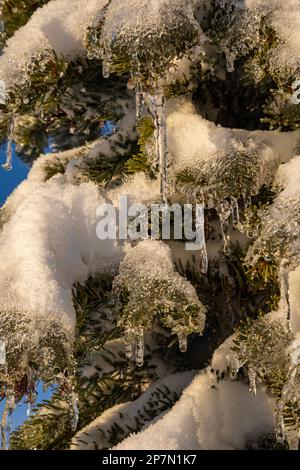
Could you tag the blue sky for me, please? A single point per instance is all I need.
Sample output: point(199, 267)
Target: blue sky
point(8, 181)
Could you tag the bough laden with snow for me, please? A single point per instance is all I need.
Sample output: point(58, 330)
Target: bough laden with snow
point(164, 102)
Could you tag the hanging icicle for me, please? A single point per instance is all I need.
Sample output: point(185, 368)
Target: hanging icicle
point(235, 364)
point(73, 410)
point(286, 293)
point(230, 60)
point(224, 212)
point(204, 260)
point(128, 344)
point(200, 236)
point(28, 412)
point(252, 380)
point(122, 372)
point(69, 393)
point(10, 140)
point(182, 342)
point(107, 59)
point(139, 101)
point(161, 144)
point(6, 422)
point(235, 212)
point(106, 67)
point(247, 226)
point(136, 78)
point(139, 347)
point(287, 394)
point(2, 353)
point(31, 389)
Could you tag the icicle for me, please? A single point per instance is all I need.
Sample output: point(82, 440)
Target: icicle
point(286, 293)
point(107, 60)
point(160, 134)
point(2, 92)
point(279, 424)
point(289, 390)
point(230, 59)
point(235, 364)
point(252, 380)
point(182, 342)
point(31, 393)
point(200, 236)
point(139, 347)
point(31, 401)
point(2, 353)
point(224, 214)
point(246, 226)
point(204, 260)
point(139, 103)
point(287, 393)
point(73, 410)
point(106, 68)
point(9, 149)
point(4, 428)
point(294, 442)
point(128, 344)
point(235, 212)
point(6, 422)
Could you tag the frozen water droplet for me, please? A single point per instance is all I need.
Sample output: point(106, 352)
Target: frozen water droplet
point(7, 166)
point(182, 342)
point(139, 347)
